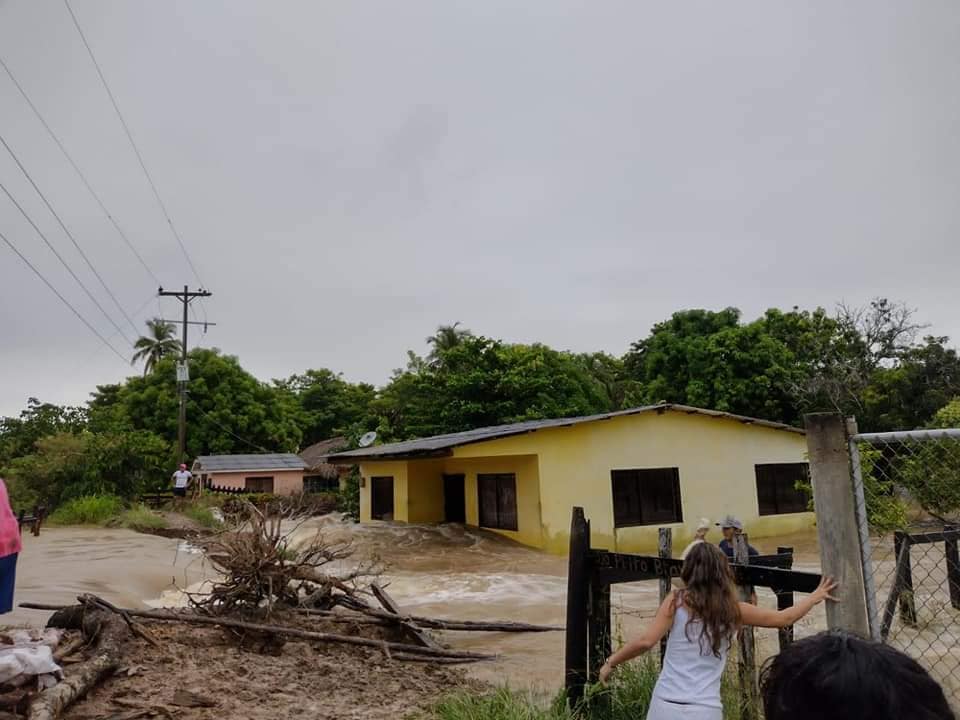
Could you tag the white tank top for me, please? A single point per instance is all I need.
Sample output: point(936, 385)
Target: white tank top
point(691, 674)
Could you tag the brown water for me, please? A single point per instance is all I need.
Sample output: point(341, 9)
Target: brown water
point(443, 571)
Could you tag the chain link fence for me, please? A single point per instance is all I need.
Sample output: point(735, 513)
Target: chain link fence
point(907, 497)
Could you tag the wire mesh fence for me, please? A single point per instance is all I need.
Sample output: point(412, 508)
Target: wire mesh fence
point(907, 493)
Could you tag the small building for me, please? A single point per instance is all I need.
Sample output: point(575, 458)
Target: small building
point(320, 475)
point(278, 473)
point(633, 471)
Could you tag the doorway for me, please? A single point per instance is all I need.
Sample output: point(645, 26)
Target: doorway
point(381, 498)
point(454, 499)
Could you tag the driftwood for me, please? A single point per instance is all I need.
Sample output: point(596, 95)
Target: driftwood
point(195, 619)
point(381, 617)
point(415, 631)
point(111, 632)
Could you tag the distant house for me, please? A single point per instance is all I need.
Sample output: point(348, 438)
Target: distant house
point(633, 471)
point(320, 475)
point(279, 473)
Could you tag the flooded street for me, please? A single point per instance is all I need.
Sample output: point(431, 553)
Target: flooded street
point(443, 571)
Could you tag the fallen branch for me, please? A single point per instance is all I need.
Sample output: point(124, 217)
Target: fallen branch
point(194, 619)
point(437, 623)
point(415, 631)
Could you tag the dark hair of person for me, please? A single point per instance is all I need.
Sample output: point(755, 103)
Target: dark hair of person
point(836, 675)
point(710, 595)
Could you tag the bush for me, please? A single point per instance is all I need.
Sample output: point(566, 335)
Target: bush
point(349, 501)
point(139, 517)
point(89, 510)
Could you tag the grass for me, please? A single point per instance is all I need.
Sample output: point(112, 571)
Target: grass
point(90, 510)
point(202, 515)
point(628, 698)
point(139, 517)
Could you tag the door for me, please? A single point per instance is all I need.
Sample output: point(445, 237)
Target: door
point(454, 499)
point(381, 498)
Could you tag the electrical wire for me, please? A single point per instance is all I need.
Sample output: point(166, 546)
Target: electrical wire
point(62, 261)
point(133, 144)
point(69, 234)
point(62, 298)
point(80, 174)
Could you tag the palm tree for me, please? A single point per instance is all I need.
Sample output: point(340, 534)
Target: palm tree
point(157, 344)
point(446, 338)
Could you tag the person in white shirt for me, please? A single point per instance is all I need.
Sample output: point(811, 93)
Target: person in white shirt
point(181, 481)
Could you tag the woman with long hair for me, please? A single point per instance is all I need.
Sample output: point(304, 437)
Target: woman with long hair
point(703, 618)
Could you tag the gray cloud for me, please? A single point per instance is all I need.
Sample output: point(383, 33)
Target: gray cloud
point(347, 176)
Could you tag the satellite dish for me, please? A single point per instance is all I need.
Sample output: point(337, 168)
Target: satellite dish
point(367, 439)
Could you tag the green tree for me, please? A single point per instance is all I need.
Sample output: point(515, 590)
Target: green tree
point(160, 342)
point(229, 410)
point(18, 436)
point(329, 404)
point(446, 338)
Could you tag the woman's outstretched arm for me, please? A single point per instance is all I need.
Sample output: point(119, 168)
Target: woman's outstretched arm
point(645, 640)
point(764, 617)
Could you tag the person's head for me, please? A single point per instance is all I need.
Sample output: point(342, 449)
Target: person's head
point(711, 596)
point(835, 675)
point(702, 529)
point(183, 466)
point(730, 527)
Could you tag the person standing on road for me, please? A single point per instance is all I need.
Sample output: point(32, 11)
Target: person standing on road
point(10, 546)
point(181, 481)
point(732, 527)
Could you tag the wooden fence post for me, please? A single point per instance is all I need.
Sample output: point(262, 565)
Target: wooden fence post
point(904, 578)
point(578, 597)
point(837, 530)
point(664, 550)
point(599, 628)
point(953, 565)
point(749, 693)
point(785, 598)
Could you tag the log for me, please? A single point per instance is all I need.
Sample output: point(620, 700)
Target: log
point(444, 624)
point(194, 619)
point(390, 605)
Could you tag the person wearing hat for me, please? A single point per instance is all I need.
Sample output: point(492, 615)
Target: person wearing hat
point(732, 527)
point(698, 537)
point(181, 481)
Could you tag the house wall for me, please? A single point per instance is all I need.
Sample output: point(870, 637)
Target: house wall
point(559, 468)
point(285, 482)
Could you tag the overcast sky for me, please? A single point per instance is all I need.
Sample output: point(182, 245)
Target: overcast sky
point(346, 176)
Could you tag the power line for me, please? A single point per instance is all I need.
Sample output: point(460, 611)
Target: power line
point(69, 235)
point(62, 298)
point(62, 261)
point(126, 129)
point(80, 174)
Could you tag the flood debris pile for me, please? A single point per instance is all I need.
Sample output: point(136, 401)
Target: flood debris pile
point(280, 611)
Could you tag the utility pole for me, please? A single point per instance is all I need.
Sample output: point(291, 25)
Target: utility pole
point(185, 297)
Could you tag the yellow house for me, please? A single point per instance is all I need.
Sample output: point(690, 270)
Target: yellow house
point(633, 471)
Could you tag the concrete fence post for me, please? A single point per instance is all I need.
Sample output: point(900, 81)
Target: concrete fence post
point(838, 535)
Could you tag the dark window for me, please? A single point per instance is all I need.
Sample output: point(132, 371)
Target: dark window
point(646, 497)
point(258, 484)
point(777, 491)
point(498, 501)
point(320, 484)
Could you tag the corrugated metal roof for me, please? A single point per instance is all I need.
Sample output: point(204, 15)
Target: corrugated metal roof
point(261, 461)
point(315, 457)
point(440, 445)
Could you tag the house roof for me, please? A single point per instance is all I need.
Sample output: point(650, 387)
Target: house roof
point(315, 456)
point(442, 445)
point(258, 462)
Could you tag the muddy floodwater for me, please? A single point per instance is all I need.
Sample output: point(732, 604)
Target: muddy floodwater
point(443, 571)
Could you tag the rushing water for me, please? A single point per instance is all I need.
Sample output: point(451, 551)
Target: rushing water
point(442, 571)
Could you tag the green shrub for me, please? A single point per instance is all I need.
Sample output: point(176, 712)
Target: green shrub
point(349, 500)
point(89, 510)
point(140, 517)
